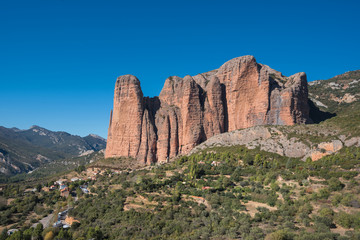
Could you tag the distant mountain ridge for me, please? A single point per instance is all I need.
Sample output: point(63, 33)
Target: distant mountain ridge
point(338, 93)
point(25, 150)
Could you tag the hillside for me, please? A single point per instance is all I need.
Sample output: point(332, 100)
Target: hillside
point(54, 168)
point(219, 193)
point(338, 94)
point(25, 150)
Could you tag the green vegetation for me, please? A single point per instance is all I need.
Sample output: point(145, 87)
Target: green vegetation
point(331, 91)
point(220, 193)
point(340, 95)
point(347, 122)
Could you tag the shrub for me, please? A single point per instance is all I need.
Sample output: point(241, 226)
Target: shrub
point(335, 184)
point(282, 234)
point(345, 220)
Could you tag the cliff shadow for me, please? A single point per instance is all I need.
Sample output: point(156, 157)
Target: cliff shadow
point(202, 97)
point(316, 115)
point(152, 105)
point(224, 101)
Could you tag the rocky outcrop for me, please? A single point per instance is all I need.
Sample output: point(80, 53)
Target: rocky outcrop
point(325, 149)
point(293, 142)
point(269, 139)
point(190, 110)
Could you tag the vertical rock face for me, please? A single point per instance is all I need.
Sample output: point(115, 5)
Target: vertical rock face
point(189, 110)
point(126, 124)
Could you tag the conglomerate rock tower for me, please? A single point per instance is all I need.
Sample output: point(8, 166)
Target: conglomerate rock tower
point(240, 94)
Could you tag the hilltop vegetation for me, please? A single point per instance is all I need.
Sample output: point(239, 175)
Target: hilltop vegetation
point(223, 193)
point(338, 94)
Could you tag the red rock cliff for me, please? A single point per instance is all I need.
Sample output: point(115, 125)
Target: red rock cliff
point(189, 110)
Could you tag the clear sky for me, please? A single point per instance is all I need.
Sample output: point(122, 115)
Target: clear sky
point(59, 59)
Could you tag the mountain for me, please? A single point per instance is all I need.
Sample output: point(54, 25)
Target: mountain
point(336, 102)
point(25, 150)
point(240, 94)
point(338, 99)
point(338, 93)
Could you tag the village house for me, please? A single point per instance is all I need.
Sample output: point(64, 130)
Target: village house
point(74, 179)
point(60, 181)
point(64, 221)
point(64, 191)
point(70, 220)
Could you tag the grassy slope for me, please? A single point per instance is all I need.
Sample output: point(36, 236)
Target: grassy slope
point(347, 117)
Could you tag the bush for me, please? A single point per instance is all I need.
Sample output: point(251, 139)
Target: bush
point(282, 234)
point(345, 220)
point(274, 186)
point(335, 184)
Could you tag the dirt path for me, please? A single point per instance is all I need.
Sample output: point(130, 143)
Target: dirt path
point(251, 207)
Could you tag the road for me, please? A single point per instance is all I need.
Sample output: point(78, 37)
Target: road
point(45, 221)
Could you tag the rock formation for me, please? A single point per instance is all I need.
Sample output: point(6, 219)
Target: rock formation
point(189, 110)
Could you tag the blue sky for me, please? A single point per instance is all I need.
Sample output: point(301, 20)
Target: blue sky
point(59, 59)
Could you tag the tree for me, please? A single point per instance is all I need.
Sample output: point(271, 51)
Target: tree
point(80, 169)
point(279, 235)
point(16, 236)
point(37, 233)
point(326, 212)
point(257, 160)
point(79, 192)
point(274, 186)
point(289, 164)
point(28, 233)
point(38, 187)
point(176, 197)
point(64, 235)
point(335, 184)
point(94, 233)
point(336, 199)
point(324, 193)
point(193, 170)
point(49, 236)
point(236, 175)
point(4, 235)
point(344, 219)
